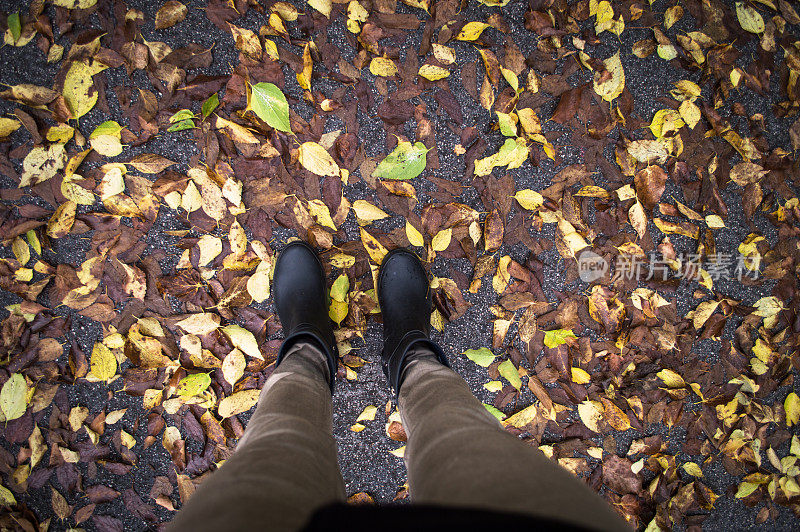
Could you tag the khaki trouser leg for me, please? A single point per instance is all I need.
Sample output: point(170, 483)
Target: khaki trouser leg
point(285, 466)
point(459, 455)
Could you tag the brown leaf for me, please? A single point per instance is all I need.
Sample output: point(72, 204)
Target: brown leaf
point(650, 184)
point(170, 14)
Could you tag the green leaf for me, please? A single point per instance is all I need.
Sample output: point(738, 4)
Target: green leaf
point(109, 127)
point(406, 161)
point(557, 337)
point(495, 412)
point(508, 126)
point(182, 125)
point(13, 397)
point(339, 288)
point(15, 26)
point(482, 357)
point(270, 105)
point(33, 241)
point(509, 372)
point(183, 114)
point(192, 385)
point(209, 105)
point(493, 386)
point(745, 489)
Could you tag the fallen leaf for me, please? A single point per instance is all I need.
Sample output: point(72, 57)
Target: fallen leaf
point(243, 340)
point(269, 104)
point(237, 403)
point(170, 14)
point(406, 161)
point(13, 397)
point(481, 356)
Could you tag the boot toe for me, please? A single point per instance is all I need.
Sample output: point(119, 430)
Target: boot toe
point(298, 279)
point(402, 275)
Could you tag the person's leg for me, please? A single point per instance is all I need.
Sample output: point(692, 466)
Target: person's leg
point(459, 455)
point(285, 466)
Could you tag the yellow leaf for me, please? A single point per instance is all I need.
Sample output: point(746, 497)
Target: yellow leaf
point(749, 18)
point(238, 403)
point(579, 376)
point(103, 363)
point(671, 378)
point(487, 94)
point(317, 160)
point(441, 241)
point(42, 163)
point(8, 126)
point(62, 220)
point(589, 412)
point(368, 414)
point(701, 314)
point(612, 87)
point(522, 418)
point(792, 407)
point(529, 199)
point(614, 415)
point(78, 91)
point(690, 113)
point(511, 78)
point(433, 72)
point(382, 66)
point(342, 260)
point(672, 15)
point(246, 41)
point(243, 340)
point(323, 6)
point(493, 386)
point(471, 31)
point(666, 121)
point(693, 469)
point(258, 284)
point(271, 48)
point(399, 452)
point(375, 249)
point(529, 121)
point(233, 366)
point(356, 11)
point(320, 212)
point(367, 212)
point(443, 54)
point(199, 324)
point(638, 218)
point(414, 237)
point(686, 90)
point(14, 397)
point(210, 246)
point(6, 497)
point(237, 133)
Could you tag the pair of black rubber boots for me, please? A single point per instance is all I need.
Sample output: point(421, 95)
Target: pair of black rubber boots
point(301, 299)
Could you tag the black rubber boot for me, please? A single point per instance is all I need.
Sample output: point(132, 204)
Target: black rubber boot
point(301, 299)
point(404, 297)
